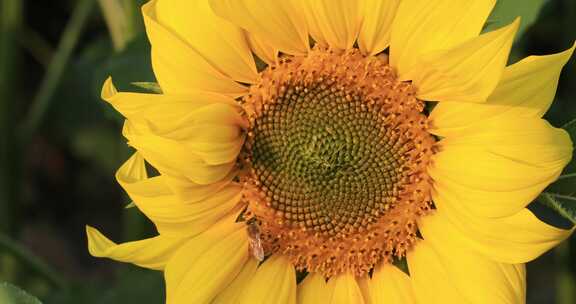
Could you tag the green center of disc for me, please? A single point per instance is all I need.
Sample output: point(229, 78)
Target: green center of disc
point(325, 159)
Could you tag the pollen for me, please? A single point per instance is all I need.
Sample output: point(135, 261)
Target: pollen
point(335, 161)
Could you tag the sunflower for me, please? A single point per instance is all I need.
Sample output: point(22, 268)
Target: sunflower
point(337, 151)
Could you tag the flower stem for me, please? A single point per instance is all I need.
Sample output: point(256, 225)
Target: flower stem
point(10, 23)
point(566, 197)
point(565, 176)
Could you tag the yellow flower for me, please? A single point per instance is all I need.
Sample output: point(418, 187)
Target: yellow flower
point(325, 162)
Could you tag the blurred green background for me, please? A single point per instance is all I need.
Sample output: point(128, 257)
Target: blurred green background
point(60, 145)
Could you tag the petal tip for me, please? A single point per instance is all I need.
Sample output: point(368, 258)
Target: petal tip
point(93, 235)
point(568, 53)
point(513, 27)
point(108, 89)
point(89, 230)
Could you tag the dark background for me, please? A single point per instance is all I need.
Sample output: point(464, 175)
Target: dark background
point(60, 146)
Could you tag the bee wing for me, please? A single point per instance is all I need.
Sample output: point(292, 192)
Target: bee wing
point(256, 249)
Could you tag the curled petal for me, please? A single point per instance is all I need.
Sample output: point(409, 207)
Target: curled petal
point(171, 215)
point(153, 253)
point(166, 113)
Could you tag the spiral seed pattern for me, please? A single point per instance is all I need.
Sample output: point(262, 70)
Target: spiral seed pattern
point(324, 159)
point(335, 157)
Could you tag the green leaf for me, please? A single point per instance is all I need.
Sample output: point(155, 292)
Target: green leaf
point(149, 86)
point(10, 294)
point(567, 175)
point(570, 127)
point(507, 10)
point(565, 205)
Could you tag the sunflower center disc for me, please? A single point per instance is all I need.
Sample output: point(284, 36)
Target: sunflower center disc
point(337, 151)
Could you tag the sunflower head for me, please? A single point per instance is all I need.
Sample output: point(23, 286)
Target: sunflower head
point(373, 132)
point(336, 159)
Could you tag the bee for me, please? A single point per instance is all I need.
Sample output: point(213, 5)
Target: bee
point(255, 242)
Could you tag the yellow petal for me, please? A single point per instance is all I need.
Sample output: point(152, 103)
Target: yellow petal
point(335, 22)
point(280, 23)
point(215, 153)
point(364, 284)
point(531, 82)
point(423, 26)
point(467, 73)
point(345, 290)
point(201, 150)
point(312, 22)
point(206, 264)
point(429, 278)
point(526, 89)
point(313, 289)
point(152, 253)
point(190, 192)
point(173, 158)
point(376, 27)
point(500, 166)
point(171, 215)
point(448, 274)
point(263, 50)
point(221, 43)
point(178, 67)
point(231, 293)
point(167, 113)
point(518, 238)
point(274, 282)
point(390, 285)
